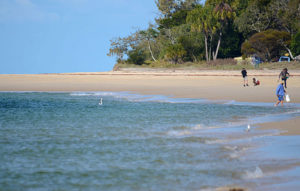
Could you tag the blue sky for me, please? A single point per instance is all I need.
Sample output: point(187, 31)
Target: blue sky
point(55, 36)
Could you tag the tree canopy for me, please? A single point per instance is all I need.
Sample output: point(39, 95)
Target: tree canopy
point(188, 30)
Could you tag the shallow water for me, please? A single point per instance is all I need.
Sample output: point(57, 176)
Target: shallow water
point(67, 141)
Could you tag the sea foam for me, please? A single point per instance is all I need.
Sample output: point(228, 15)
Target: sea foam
point(257, 173)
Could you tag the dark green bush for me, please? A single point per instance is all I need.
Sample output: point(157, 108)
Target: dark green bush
point(295, 44)
point(136, 56)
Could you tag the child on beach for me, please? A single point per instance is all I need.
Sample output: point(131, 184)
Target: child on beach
point(256, 82)
point(280, 92)
point(244, 74)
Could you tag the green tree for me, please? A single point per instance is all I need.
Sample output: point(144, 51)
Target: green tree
point(178, 18)
point(120, 46)
point(175, 53)
point(149, 35)
point(285, 15)
point(224, 14)
point(136, 56)
point(168, 7)
point(254, 19)
point(295, 44)
point(193, 45)
point(261, 15)
point(171, 27)
point(267, 44)
point(189, 31)
point(247, 49)
point(203, 21)
point(231, 42)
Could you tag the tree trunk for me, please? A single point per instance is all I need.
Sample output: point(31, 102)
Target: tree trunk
point(151, 51)
point(218, 46)
point(210, 43)
point(291, 54)
point(206, 49)
point(195, 58)
point(268, 54)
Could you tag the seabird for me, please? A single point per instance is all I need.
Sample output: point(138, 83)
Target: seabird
point(248, 128)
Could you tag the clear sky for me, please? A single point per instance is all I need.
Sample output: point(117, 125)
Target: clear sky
point(50, 36)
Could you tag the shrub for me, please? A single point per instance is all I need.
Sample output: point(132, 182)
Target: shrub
point(136, 56)
point(295, 44)
point(175, 53)
point(267, 44)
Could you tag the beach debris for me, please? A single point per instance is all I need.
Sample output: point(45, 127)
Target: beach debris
point(248, 128)
point(100, 102)
point(287, 98)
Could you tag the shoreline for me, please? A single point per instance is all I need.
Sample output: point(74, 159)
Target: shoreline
point(211, 85)
point(289, 127)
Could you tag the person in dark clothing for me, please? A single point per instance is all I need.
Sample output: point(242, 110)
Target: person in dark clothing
point(244, 74)
point(284, 75)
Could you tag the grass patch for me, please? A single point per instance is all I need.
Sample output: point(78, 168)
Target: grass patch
point(220, 64)
point(294, 65)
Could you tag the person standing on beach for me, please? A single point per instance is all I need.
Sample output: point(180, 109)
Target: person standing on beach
point(284, 75)
point(244, 74)
point(280, 92)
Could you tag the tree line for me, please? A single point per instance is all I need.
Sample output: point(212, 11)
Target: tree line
point(191, 31)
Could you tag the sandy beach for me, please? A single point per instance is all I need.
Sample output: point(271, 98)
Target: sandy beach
point(211, 85)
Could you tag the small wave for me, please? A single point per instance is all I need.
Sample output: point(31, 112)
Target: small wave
point(231, 148)
point(186, 130)
point(234, 155)
point(198, 127)
point(216, 141)
point(257, 173)
point(80, 94)
point(140, 98)
point(236, 151)
point(96, 94)
point(242, 137)
point(179, 133)
point(260, 104)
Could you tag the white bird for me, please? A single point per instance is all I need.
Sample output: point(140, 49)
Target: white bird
point(248, 128)
point(100, 102)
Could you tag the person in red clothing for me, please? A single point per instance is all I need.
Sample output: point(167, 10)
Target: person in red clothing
point(256, 82)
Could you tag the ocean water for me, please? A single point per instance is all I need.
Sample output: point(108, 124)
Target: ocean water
point(67, 141)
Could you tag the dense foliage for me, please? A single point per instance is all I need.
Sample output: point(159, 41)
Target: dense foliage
point(267, 44)
point(191, 31)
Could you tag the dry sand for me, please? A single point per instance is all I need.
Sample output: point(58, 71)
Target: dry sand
point(212, 85)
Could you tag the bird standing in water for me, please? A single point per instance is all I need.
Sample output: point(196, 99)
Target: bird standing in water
point(248, 128)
